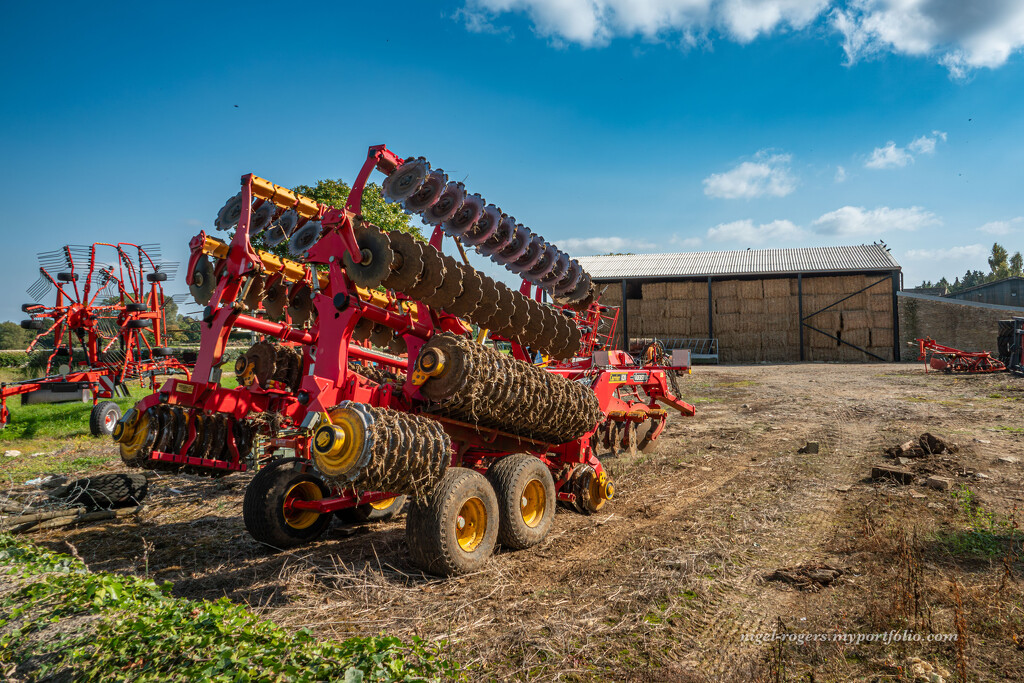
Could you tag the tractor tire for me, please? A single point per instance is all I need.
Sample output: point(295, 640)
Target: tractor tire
point(32, 325)
point(136, 308)
point(437, 543)
point(156, 277)
point(67, 277)
point(139, 324)
point(104, 491)
point(263, 507)
point(526, 500)
point(103, 417)
point(380, 511)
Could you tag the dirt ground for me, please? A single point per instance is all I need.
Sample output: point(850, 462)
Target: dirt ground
point(669, 581)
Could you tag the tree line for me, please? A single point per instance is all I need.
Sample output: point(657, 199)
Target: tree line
point(1001, 265)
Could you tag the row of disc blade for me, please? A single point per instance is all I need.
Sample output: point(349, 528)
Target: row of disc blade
point(398, 261)
point(429, 193)
point(281, 225)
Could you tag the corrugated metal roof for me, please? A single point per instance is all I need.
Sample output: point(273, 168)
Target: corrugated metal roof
point(857, 258)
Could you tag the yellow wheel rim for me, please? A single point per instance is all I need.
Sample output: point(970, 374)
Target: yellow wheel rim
point(337, 446)
point(533, 503)
point(597, 499)
point(301, 519)
point(383, 504)
point(471, 524)
point(135, 436)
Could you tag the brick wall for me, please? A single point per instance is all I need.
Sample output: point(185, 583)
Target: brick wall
point(962, 325)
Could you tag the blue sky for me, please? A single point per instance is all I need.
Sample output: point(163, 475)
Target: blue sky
point(605, 125)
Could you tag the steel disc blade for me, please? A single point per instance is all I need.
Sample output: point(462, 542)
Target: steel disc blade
point(252, 292)
point(516, 247)
point(488, 304)
point(466, 217)
point(446, 205)
point(528, 259)
point(557, 273)
point(466, 302)
point(362, 330)
point(428, 193)
point(544, 265)
point(300, 306)
point(397, 346)
point(304, 238)
point(484, 227)
point(381, 336)
point(229, 214)
point(261, 218)
point(500, 238)
point(407, 262)
point(432, 276)
point(203, 281)
point(572, 278)
point(286, 222)
point(375, 249)
point(451, 286)
point(405, 180)
point(275, 299)
point(578, 294)
point(275, 236)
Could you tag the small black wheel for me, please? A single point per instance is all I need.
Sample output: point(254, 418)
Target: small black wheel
point(381, 511)
point(163, 351)
point(156, 277)
point(62, 352)
point(103, 417)
point(136, 308)
point(453, 530)
point(266, 510)
point(526, 499)
point(32, 325)
point(139, 324)
point(25, 308)
point(67, 277)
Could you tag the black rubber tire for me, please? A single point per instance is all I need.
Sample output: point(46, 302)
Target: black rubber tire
point(67, 277)
point(163, 351)
point(136, 308)
point(139, 324)
point(430, 524)
point(365, 514)
point(263, 506)
point(26, 307)
point(156, 277)
point(32, 325)
point(103, 417)
point(62, 352)
point(510, 476)
point(105, 491)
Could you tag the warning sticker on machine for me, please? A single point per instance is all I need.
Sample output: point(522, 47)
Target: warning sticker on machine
point(183, 388)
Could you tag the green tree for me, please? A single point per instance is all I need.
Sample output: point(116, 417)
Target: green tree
point(997, 262)
point(1017, 264)
point(13, 337)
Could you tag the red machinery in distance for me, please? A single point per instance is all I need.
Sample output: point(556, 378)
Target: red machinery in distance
point(469, 433)
point(950, 360)
point(109, 307)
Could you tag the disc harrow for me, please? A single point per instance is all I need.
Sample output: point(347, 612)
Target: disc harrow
point(421, 190)
point(378, 372)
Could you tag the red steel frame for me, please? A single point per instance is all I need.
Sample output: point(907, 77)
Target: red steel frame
point(327, 347)
point(76, 312)
point(946, 358)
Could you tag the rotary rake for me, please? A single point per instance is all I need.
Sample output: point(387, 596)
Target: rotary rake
point(949, 360)
point(109, 307)
point(369, 374)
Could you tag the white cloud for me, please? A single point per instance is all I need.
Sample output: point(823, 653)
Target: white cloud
point(889, 156)
point(969, 252)
point(603, 245)
point(840, 174)
point(769, 175)
point(1002, 227)
point(686, 242)
point(926, 143)
point(962, 35)
point(747, 233)
point(854, 221)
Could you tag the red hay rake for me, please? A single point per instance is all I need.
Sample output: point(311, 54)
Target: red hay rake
point(375, 378)
point(106, 327)
point(950, 360)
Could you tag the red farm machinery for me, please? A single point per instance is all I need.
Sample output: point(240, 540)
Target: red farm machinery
point(106, 327)
point(389, 370)
point(949, 360)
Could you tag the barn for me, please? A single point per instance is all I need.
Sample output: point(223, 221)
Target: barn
point(758, 305)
